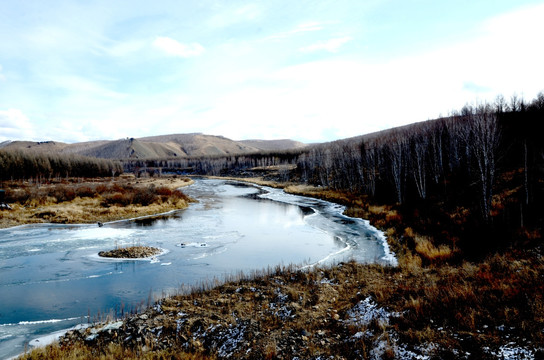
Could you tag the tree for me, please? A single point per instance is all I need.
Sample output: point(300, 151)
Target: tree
point(482, 137)
point(397, 151)
point(420, 149)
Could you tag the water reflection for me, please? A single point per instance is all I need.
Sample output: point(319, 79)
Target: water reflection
point(53, 271)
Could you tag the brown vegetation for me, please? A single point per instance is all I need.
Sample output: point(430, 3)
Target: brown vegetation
point(347, 311)
point(22, 163)
point(92, 200)
point(434, 304)
point(130, 252)
point(163, 146)
point(459, 199)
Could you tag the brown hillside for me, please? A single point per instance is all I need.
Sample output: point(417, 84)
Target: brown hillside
point(271, 145)
point(164, 146)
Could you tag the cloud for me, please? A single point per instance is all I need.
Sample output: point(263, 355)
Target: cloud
point(175, 48)
point(332, 45)
point(231, 16)
point(125, 48)
point(299, 29)
point(2, 77)
point(14, 125)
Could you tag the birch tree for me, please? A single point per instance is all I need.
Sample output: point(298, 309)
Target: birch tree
point(482, 136)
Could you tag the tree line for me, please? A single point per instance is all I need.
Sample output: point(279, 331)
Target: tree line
point(486, 158)
point(26, 165)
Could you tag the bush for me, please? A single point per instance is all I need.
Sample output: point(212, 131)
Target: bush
point(20, 196)
point(146, 196)
point(85, 191)
point(163, 191)
point(63, 193)
point(178, 194)
point(117, 198)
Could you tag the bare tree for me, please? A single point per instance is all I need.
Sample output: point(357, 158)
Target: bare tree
point(482, 136)
point(370, 166)
point(436, 152)
point(420, 148)
point(397, 151)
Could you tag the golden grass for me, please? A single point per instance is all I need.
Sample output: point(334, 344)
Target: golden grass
point(40, 207)
point(454, 305)
point(80, 351)
point(441, 305)
point(430, 252)
point(130, 252)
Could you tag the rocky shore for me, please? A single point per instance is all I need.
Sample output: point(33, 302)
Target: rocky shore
point(351, 311)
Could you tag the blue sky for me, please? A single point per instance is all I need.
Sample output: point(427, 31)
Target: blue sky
point(307, 70)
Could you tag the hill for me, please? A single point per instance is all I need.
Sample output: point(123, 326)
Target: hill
point(153, 147)
point(272, 145)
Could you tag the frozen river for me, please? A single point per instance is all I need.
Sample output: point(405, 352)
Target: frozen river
point(51, 277)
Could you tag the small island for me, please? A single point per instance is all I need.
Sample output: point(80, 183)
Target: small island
point(131, 252)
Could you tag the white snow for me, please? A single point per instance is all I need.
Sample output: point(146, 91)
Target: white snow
point(367, 311)
point(51, 338)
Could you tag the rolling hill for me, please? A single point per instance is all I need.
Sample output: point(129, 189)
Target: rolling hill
point(163, 146)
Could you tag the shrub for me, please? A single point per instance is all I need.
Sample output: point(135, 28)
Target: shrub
point(102, 188)
point(145, 197)
point(20, 196)
point(117, 199)
point(178, 194)
point(163, 191)
point(63, 193)
point(85, 191)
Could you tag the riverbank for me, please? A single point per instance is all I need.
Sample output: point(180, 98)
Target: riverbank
point(433, 305)
point(83, 201)
point(347, 311)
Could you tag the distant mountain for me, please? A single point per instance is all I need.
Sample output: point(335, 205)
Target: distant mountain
point(283, 144)
point(153, 147)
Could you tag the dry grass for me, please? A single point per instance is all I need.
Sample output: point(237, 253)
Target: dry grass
point(130, 252)
point(433, 254)
point(111, 351)
point(92, 200)
point(463, 308)
point(284, 312)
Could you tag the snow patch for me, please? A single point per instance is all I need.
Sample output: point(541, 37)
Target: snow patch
point(367, 311)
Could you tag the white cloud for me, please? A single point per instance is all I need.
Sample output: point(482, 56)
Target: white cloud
point(125, 48)
point(14, 125)
point(343, 97)
point(299, 29)
point(175, 48)
point(262, 77)
point(229, 16)
point(332, 45)
point(81, 86)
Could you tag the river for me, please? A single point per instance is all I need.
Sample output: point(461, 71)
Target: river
point(51, 277)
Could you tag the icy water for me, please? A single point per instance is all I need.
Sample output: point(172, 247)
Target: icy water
point(51, 277)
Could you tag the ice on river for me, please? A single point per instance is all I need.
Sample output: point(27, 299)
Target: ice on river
point(53, 271)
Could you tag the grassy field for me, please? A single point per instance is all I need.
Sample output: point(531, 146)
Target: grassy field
point(91, 200)
point(435, 305)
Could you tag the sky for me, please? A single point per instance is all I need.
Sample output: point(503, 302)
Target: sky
point(312, 71)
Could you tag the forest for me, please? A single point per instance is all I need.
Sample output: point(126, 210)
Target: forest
point(458, 199)
point(40, 167)
point(476, 174)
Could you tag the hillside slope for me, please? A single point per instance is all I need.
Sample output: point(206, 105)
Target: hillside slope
point(153, 147)
point(271, 145)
